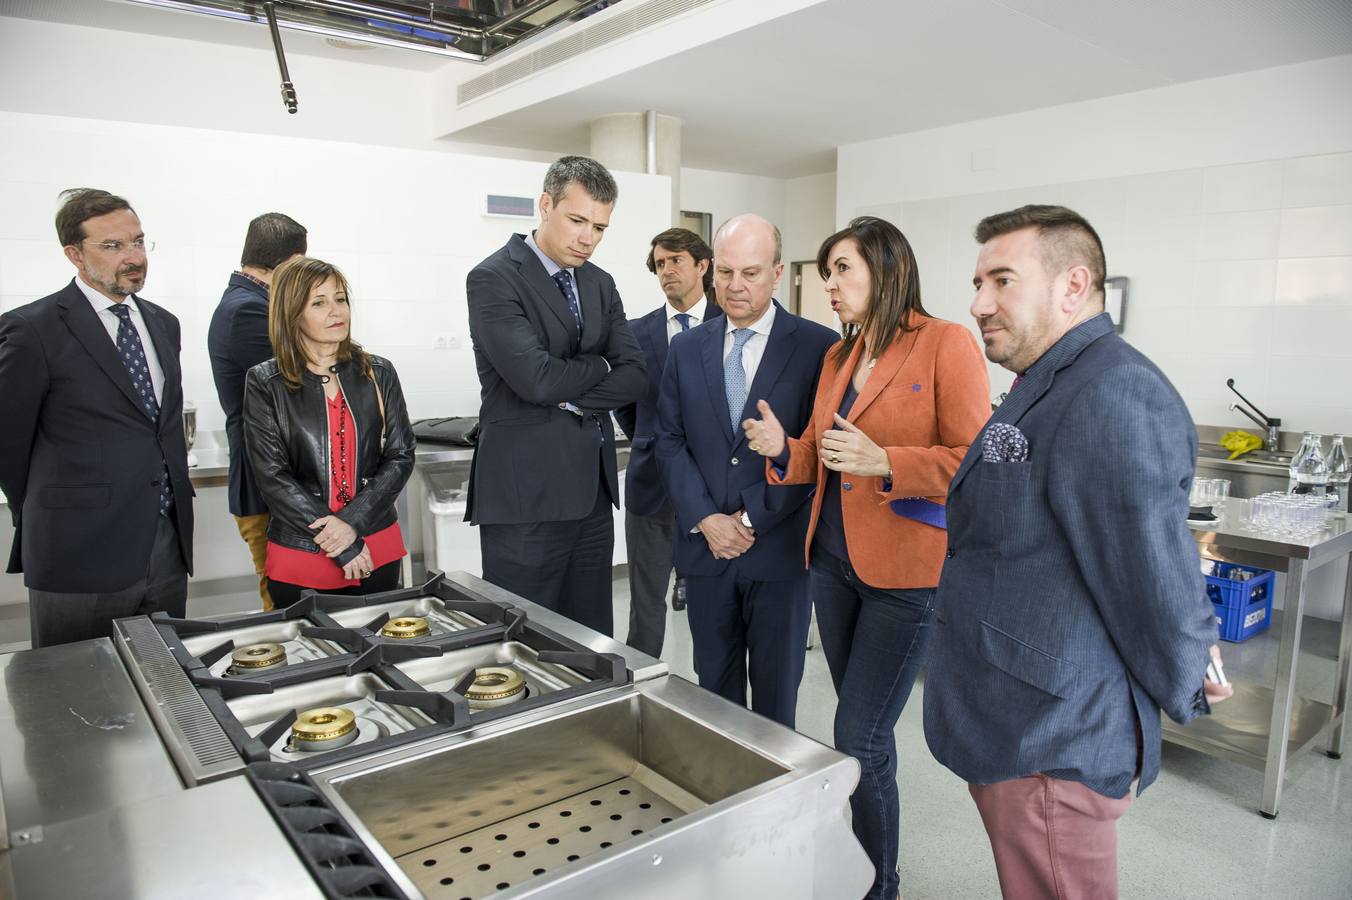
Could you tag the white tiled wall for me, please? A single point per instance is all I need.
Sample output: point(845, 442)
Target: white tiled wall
point(404, 225)
point(1237, 271)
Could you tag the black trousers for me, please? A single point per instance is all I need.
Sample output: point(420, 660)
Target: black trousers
point(648, 544)
point(61, 618)
point(388, 577)
point(563, 566)
point(751, 630)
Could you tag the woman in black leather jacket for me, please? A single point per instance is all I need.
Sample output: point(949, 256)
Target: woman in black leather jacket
point(329, 441)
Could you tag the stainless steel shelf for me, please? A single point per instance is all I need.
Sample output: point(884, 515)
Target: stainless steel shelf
point(1238, 729)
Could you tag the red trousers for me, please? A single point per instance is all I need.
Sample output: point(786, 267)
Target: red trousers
point(1051, 838)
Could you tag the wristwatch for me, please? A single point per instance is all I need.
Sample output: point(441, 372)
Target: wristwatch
point(746, 519)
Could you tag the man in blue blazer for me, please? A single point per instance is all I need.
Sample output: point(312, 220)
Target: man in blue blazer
point(1071, 609)
point(739, 545)
point(555, 356)
point(237, 340)
point(683, 264)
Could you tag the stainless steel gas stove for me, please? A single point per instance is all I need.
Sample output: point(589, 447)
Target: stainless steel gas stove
point(452, 740)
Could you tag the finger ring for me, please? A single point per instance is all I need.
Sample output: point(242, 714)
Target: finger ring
point(835, 457)
point(753, 446)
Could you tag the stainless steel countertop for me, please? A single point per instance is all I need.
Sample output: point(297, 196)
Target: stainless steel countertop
point(94, 807)
point(1227, 533)
point(213, 463)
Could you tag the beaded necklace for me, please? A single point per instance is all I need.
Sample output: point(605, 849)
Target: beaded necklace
point(339, 466)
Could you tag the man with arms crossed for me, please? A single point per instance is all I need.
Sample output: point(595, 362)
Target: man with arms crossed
point(555, 357)
point(1071, 608)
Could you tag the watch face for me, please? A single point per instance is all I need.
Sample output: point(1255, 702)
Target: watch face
point(746, 520)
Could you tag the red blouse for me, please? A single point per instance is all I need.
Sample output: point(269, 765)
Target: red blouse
point(317, 570)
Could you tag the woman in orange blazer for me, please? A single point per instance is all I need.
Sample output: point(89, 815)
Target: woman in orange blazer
point(899, 401)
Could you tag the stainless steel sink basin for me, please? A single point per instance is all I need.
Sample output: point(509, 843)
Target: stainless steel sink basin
point(654, 793)
point(1255, 457)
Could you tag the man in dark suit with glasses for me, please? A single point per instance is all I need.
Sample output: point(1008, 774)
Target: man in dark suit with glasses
point(92, 454)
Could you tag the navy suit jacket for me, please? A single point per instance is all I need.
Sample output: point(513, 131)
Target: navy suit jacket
point(1072, 607)
point(535, 462)
point(236, 342)
point(644, 493)
point(709, 469)
point(80, 461)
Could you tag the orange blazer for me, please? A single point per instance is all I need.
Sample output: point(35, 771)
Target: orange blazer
point(925, 401)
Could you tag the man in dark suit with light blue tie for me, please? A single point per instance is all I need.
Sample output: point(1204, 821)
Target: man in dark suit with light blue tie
point(1071, 609)
point(555, 356)
point(683, 264)
point(738, 545)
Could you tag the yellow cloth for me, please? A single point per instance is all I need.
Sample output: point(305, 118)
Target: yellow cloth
point(1240, 442)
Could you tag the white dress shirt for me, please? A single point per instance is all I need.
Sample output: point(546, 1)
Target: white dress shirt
point(696, 314)
point(103, 308)
point(754, 348)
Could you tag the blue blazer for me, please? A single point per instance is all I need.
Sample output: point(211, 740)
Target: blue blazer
point(707, 468)
point(237, 340)
point(1072, 608)
point(644, 493)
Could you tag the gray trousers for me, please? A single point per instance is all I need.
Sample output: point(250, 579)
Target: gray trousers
point(648, 540)
point(60, 618)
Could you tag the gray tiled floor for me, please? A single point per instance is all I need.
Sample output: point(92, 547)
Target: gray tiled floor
point(1194, 834)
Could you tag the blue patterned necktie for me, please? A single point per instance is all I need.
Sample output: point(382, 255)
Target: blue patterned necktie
point(133, 356)
point(566, 285)
point(684, 320)
point(734, 377)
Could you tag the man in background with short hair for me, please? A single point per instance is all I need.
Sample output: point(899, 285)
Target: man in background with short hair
point(236, 342)
point(683, 264)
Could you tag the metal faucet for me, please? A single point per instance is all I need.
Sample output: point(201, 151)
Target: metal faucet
point(1258, 417)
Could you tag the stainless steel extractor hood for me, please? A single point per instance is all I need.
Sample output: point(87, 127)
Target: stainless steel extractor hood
point(465, 29)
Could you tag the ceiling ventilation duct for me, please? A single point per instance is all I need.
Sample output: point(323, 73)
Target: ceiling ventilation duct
point(465, 29)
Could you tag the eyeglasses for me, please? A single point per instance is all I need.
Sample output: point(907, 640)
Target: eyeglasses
point(140, 245)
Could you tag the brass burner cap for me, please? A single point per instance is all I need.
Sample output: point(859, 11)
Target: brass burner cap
point(495, 683)
point(326, 723)
point(257, 656)
point(406, 627)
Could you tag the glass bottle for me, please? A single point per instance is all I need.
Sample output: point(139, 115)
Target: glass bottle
point(1339, 471)
point(1308, 474)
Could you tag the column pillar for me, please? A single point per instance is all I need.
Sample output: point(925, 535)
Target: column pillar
point(641, 142)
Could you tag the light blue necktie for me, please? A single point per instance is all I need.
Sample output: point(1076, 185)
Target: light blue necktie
point(734, 377)
point(684, 320)
point(133, 355)
point(566, 285)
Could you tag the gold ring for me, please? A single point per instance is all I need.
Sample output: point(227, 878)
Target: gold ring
point(835, 457)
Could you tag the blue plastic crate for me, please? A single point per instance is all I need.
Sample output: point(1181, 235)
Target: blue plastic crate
point(1243, 608)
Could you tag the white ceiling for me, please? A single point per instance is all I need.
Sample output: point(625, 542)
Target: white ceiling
point(121, 15)
point(778, 99)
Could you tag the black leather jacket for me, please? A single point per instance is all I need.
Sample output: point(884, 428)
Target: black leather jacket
point(287, 435)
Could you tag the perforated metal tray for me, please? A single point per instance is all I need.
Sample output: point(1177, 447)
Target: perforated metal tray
point(482, 862)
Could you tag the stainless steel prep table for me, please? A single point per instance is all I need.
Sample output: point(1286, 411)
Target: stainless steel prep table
point(1266, 727)
point(90, 803)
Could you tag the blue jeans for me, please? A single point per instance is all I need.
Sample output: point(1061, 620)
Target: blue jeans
point(875, 642)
